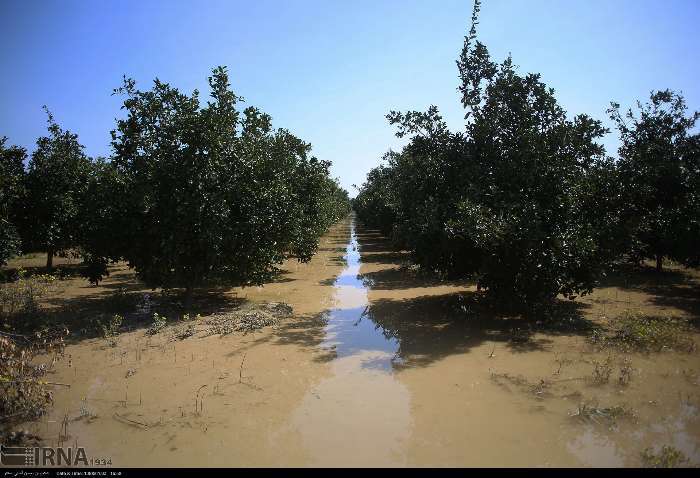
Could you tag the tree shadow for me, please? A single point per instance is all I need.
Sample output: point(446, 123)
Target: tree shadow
point(397, 258)
point(279, 276)
point(84, 315)
point(419, 331)
point(330, 281)
point(62, 271)
point(405, 278)
point(306, 330)
point(674, 287)
point(430, 328)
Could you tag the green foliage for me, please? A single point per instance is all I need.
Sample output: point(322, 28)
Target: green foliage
point(11, 196)
point(588, 412)
point(111, 328)
point(195, 194)
point(10, 242)
point(518, 200)
point(55, 181)
point(20, 299)
point(633, 331)
point(159, 322)
point(99, 235)
point(667, 457)
point(660, 176)
point(24, 395)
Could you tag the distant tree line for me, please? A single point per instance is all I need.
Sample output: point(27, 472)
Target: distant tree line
point(525, 200)
point(192, 194)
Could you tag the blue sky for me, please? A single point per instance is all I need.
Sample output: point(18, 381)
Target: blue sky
point(329, 70)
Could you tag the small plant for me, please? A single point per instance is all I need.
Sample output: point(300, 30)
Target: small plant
point(602, 371)
point(606, 415)
point(626, 372)
point(85, 412)
point(158, 324)
point(111, 328)
point(21, 298)
point(668, 457)
point(561, 361)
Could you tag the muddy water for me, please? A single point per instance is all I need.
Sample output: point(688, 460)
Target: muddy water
point(360, 414)
point(380, 367)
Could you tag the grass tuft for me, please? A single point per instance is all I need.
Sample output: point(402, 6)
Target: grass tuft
point(634, 331)
point(667, 457)
point(606, 415)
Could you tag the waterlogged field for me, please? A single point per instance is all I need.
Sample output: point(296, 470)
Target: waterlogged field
point(380, 365)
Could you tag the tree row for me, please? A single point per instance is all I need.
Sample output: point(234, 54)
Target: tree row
point(192, 194)
point(525, 200)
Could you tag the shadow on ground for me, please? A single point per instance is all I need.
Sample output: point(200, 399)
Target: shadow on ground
point(675, 287)
point(84, 315)
point(431, 327)
point(425, 329)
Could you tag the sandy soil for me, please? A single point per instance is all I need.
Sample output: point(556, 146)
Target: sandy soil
point(378, 366)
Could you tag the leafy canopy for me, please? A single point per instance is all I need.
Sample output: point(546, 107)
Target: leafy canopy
point(55, 181)
point(660, 174)
point(205, 192)
point(11, 196)
point(513, 201)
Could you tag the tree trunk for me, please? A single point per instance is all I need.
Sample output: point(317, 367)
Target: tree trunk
point(659, 262)
point(187, 303)
point(49, 259)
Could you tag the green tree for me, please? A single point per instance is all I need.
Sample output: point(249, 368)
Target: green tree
point(11, 196)
point(207, 193)
point(55, 181)
point(508, 201)
point(660, 174)
point(100, 234)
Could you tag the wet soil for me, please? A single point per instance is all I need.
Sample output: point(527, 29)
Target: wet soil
point(381, 366)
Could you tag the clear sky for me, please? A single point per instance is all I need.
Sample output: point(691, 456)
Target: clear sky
point(329, 70)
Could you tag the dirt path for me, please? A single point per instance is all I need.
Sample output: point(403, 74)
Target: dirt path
point(378, 367)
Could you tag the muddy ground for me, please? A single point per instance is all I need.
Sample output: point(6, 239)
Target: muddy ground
point(380, 366)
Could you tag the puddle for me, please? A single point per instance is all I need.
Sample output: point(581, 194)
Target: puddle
point(350, 329)
point(334, 420)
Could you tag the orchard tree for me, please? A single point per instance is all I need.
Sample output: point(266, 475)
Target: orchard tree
point(528, 214)
point(375, 204)
point(100, 233)
point(11, 196)
point(207, 193)
point(660, 174)
point(515, 201)
point(55, 181)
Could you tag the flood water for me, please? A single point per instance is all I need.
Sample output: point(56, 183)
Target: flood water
point(335, 420)
point(379, 406)
point(351, 330)
point(378, 367)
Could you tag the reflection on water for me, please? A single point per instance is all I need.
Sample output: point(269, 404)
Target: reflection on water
point(598, 447)
point(333, 419)
point(410, 381)
point(350, 329)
